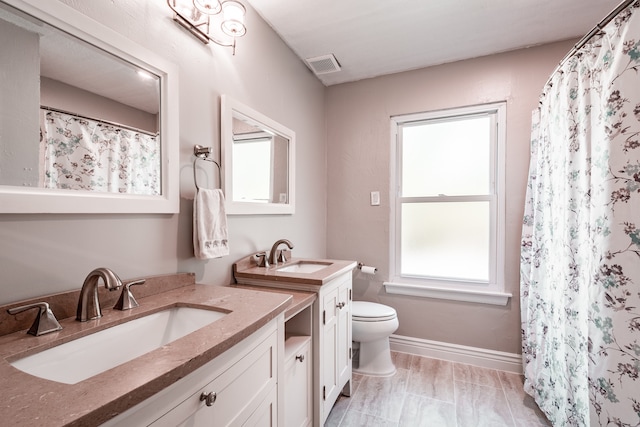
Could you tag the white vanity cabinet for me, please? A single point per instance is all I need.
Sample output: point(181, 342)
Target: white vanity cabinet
point(328, 322)
point(239, 387)
point(334, 343)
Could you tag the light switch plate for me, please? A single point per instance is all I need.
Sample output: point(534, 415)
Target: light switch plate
point(375, 198)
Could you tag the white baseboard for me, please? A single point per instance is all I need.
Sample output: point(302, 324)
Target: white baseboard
point(484, 358)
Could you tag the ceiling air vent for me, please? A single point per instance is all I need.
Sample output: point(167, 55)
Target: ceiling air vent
point(323, 64)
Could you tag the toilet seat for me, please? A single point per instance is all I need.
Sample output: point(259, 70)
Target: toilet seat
point(364, 311)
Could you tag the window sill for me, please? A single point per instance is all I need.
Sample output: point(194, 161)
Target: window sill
point(425, 291)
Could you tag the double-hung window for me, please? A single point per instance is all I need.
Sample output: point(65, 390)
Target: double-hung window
point(448, 213)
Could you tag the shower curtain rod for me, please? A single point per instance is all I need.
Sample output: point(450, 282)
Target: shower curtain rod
point(622, 6)
point(106, 122)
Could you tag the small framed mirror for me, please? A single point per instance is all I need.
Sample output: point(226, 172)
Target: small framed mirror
point(258, 161)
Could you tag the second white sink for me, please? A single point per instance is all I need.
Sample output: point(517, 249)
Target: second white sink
point(90, 355)
point(303, 267)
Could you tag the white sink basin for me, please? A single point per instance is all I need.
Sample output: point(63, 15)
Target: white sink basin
point(303, 267)
point(90, 355)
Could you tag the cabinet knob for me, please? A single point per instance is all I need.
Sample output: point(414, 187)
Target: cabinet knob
point(341, 304)
point(209, 398)
point(300, 357)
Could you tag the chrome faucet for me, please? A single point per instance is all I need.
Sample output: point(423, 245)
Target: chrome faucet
point(88, 303)
point(276, 256)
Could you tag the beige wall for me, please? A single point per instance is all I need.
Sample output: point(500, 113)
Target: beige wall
point(358, 147)
point(41, 254)
point(56, 94)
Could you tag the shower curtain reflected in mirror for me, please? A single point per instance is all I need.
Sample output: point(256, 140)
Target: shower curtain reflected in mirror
point(580, 255)
point(83, 154)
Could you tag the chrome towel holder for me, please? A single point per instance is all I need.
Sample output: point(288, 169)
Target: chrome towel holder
point(203, 153)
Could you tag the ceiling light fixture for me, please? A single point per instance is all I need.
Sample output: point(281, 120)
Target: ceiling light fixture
point(203, 18)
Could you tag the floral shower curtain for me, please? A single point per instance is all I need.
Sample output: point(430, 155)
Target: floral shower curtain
point(580, 255)
point(84, 154)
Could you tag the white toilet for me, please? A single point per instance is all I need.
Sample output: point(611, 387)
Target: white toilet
point(372, 324)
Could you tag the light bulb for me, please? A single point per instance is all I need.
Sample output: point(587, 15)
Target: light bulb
point(233, 24)
point(209, 7)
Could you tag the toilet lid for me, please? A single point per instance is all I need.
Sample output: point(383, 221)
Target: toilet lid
point(371, 311)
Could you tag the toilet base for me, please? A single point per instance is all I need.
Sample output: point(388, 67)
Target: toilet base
point(375, 359)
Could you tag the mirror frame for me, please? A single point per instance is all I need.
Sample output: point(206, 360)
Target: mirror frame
point(14, 199)
point(228, 108)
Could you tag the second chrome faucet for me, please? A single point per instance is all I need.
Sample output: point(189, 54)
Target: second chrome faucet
point(276, 256)
point(265, 259)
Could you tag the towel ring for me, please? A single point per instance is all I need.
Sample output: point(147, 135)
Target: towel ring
point(203, 153)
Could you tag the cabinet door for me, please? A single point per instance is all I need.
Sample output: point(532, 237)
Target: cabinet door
point(239, 392)
point(298, 394)
point(267, 413)
point(329, 388)
point(343, 350)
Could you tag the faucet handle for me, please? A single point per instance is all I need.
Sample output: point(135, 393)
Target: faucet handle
point(127, 301)
point(262, 259)
point(282, 255)
point(45, 321)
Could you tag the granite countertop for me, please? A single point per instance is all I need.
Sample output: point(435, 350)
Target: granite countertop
point(246, 271)
point(28, 400)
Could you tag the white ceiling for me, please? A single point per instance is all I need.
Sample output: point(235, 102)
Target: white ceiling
point(370, 38)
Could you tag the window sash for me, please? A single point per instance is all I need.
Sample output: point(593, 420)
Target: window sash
point(493, 244)
point(496, 198)
point(449, 119)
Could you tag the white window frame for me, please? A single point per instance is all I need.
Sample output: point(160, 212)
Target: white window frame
point(491, 292)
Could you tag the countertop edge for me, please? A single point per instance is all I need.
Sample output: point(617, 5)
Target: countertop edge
point(301, 299)
point(245, 269)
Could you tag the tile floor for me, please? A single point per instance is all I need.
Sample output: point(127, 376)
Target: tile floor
point(434, 393)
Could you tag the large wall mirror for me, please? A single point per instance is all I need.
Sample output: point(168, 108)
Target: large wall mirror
point(258, 161)
point(88, 119)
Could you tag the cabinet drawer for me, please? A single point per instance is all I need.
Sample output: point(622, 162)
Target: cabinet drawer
point(239, 391)
point(293, 345)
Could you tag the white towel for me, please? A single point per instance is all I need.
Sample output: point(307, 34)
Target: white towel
point(209, 224)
